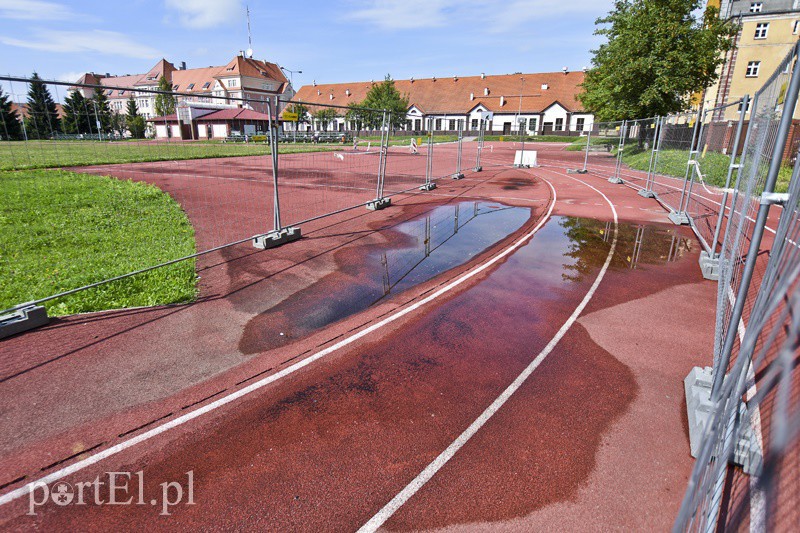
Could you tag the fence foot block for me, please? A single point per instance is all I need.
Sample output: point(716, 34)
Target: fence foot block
point(679, 218)
point(615, 180)
point(709, 266)
point(23, 319)
point(380, 203)
point(647, 193)
point(478, 169)
point(428, 187)
point(458, 176)
point(697, 387)
point(577, 171)
point(277, 238)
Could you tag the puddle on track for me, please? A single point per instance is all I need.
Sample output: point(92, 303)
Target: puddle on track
point(443, 239)
point(417, 250)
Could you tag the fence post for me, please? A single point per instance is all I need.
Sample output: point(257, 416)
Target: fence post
point(782, 135)
point(380, 202)
point(481, 127)
point(620, 147)
point(586, 155)
point(429, 184)
point(459, 174)
point(648, 192)
point(680, 216)
point(279, 235)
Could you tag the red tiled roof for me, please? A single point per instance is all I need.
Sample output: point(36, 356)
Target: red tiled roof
point(22, 110)
point(234, 114)
point(461, 94)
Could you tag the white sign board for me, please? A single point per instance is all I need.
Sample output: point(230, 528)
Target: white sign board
point(526, 158)
point(487, 115)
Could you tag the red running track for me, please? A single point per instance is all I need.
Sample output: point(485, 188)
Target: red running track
point(595, 436)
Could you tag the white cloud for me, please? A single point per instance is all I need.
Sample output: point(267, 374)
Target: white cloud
point(98, 41)
point(491, 15)
point(34, 10)
point(206, 13)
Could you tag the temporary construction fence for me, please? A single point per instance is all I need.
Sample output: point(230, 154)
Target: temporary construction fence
point(215, 153)
point(720, 177)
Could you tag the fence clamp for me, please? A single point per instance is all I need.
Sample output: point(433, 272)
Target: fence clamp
point(774, 198)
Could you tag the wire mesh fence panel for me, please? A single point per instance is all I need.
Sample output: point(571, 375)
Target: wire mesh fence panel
point(600, 148)
point(636, 151)
point(755, 420)
point(406, 162)
point(445, 147)
point(337, 172)
point(711, 171)
point(670, 162)
point(126, 179)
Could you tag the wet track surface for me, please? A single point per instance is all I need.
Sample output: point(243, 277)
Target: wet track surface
point(581, 442)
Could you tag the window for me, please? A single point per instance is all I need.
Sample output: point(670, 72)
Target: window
point(559, 124)
point(752, 69)
point(109, 92)
point(755, 7)
point(532, 124)
point(579, 124)
point(206, 84)
point(474, 124)
point(233, 83)
point(739, 109)
point(761, 30)
point(438, 124)
point(452, 125)
point(522, 123)
point(175, 87)
point(190, 87)
point(409, 124)
point(121, 93)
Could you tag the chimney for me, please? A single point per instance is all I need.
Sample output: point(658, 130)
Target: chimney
point(331, 96)
point(241, 53)
point(412, 79)
point(545, 86)
point(434, 78)
point(472, 96)
point(183, 65)
point(502, 101)
point(486, 91)
point(315, 83)
point(566, 70)
point(455, 78)
point(347, 92)
point(483, 75)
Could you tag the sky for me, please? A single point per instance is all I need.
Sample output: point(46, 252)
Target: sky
point(329, 41)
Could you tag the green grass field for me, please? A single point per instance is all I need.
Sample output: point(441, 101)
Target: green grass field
point(531, 138)
point(17, 155)
point(60, 230)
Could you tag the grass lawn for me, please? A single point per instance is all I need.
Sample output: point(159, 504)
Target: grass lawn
point(60, 230)
point(531, 138)
point(579, 144)
point(17, 155)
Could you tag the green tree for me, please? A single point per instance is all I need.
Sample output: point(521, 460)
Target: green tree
point(42, 119)
point(382, 96)
point(356, 113)
point(134, 121)
point(658, 55)
point(324, 116)
point(76, 114)
point(165, 103)
point(10, 127)
point(101, 110)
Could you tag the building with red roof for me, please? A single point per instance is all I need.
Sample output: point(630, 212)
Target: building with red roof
point(539, 103)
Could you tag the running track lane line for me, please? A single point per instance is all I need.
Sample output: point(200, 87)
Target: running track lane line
point(124, 445)
point(423, 477)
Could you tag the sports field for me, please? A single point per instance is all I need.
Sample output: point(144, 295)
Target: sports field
point(454, 360)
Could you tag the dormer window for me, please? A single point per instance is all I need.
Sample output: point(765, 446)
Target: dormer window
point(175, 87)
point(206, 85)
point(190, 87)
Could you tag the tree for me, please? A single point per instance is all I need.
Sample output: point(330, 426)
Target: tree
point(101, 110)
point(355, 113)
point(165, 103)
point(134, 121)
point(658, 55)
point(325, 115)
point(42, 119)
point(385, 95)
point(76, 114)
point(10, 127)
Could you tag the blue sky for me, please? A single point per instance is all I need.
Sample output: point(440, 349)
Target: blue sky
point(330, 41)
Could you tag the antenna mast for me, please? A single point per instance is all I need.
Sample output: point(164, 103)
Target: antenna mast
point(249, 35)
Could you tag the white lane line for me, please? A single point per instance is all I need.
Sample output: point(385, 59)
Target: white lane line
point(423, 477)
point(124, 445)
